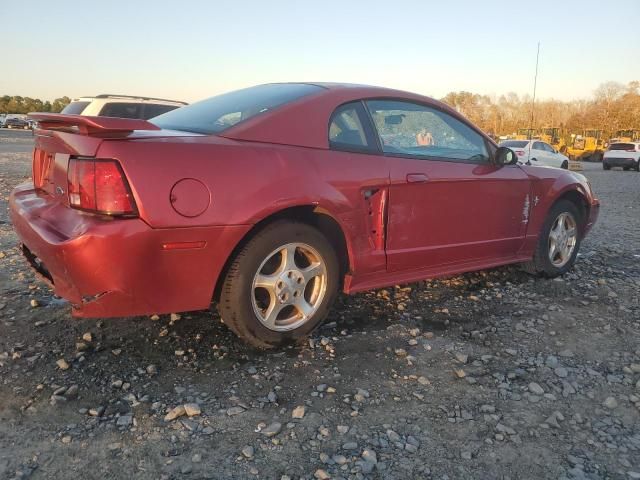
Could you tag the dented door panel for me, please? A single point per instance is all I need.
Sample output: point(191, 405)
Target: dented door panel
point(462, 212)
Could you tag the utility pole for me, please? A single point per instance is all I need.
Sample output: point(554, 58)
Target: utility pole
point(535, 84)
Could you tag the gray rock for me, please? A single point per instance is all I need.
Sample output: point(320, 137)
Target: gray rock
point(610, 403)
point(561, 372)
point(393, 436)
point(369, 455)
point(271, 430)
point(124, 421)
point(536, 389)
point(234, 411)
point(248, 451)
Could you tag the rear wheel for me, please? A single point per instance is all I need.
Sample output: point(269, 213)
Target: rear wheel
point(281, 285)
point(638, 165)
point(558, 243)
point(565, 165)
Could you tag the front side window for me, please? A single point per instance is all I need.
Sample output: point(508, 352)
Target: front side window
point(346, 131)
point(216, 114)
point(407, 128)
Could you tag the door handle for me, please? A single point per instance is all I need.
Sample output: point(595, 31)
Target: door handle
point(417, 178)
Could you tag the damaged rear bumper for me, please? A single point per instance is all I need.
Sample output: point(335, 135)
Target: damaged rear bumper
point(118, 267)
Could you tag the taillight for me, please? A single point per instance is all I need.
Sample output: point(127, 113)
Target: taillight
point(520, 152)
point(99, 186)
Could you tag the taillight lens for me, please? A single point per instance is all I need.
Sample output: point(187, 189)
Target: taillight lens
point(520, 152)
point(99, 186)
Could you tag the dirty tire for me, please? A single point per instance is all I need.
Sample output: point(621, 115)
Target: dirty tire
point(541, 264)
point(236, 296)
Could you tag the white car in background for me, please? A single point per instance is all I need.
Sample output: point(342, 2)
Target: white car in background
point(121, 106)
point(622, 154)
point(537, 152)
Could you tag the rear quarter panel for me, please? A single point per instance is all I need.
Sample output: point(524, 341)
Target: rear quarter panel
point(249, 181)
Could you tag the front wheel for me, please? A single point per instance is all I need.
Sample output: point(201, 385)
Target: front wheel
point(281, 285)
point(558, 243)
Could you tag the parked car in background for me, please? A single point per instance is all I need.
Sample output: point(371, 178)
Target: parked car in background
point(14, 122)
point(622, 154)
point(121, 106)
point(271, 199)
point(537, 152)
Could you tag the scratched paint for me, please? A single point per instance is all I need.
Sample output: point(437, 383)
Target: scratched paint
point(525, 209)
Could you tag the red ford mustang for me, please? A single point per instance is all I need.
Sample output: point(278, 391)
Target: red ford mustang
point(271, 199)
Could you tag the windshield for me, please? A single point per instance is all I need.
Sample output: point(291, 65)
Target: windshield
point(216, 114)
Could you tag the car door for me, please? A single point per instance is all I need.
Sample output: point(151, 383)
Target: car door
point(554, 158)
point(539, 156)
point(448, 204)
point(360, 174)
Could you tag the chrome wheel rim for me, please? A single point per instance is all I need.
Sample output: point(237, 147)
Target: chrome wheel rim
point(289, 287)
point(562, 239)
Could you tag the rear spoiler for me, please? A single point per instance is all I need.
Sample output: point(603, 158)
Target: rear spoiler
point(91, 126)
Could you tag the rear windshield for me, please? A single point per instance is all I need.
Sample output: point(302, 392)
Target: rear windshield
point(515, 143)
point(216, 114)
point(622, 146)
point(75, 108)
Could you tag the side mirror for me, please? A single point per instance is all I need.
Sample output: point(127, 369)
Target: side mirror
point(505, 156)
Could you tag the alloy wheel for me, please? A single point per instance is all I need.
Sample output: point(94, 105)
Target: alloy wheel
point(562, 239)
point(289, 287)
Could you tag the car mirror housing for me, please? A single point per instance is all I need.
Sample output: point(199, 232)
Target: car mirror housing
point(505, 156)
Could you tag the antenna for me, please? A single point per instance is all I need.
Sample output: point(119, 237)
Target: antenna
point(535, 84)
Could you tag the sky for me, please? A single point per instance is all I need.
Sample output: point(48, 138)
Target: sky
point(189, 50)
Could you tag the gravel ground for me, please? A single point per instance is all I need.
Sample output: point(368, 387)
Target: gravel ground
point(487, 375)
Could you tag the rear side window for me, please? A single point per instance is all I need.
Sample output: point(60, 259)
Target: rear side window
point(515, 143)
point(622, 146)
point(75, 108)
point(121, 110)
point(216, 114)
point(153, 110)
point(346, 129)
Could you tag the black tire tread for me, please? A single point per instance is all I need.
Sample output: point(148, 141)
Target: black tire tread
point(227, 305)
point(538, 265)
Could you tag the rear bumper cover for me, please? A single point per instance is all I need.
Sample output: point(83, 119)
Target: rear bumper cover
point(620, 162)
point(118, 267)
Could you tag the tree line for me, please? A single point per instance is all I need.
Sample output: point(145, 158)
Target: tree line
point(613, 107)
point(18, 104)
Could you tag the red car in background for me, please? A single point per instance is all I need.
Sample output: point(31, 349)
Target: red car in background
point(271, 199)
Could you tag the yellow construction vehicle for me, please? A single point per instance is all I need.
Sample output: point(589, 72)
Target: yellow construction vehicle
point(626, 136)
point(526, 134)
point(552, 135)
point(587, 145)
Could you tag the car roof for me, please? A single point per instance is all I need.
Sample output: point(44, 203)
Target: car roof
point(109, 96)
point(304, 122)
